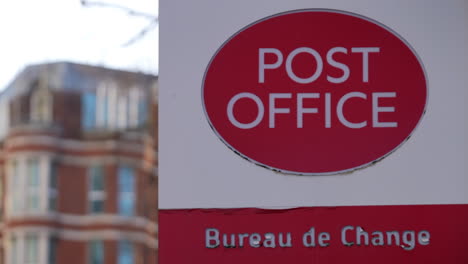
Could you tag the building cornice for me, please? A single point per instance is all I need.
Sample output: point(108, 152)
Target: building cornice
point(83, 222)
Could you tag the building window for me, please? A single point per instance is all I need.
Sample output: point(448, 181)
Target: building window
point(16, 189)
point(16, 110)
point(37, 247)
point(88, 113)
point(122, 111)
point(96, 252)
point(52, 256)
point(133, 108)
point(97, 193)
point(126, 195)
point(102, 105)
point(41, 105)
point(31, 249)
point(32, 185)
point(14, 251)
point(142, 112)
point(125, 254)
point(53, 190)
point(113, 108)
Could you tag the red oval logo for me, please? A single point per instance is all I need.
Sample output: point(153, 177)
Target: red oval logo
point(314, 92)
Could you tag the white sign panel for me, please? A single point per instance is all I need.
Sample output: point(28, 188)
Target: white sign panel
point(198, 170)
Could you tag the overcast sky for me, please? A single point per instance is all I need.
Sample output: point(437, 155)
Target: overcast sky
point(63, 30)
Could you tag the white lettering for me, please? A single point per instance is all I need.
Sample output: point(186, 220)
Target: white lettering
point(261, 62)
point(211, 238)
point(365, 60)
point(324, 239)
point(300, 107)
point(254, 240)
point(230, 110)
point(339, 110)
point(344, 241)
point(406, 239)
point(318, 61)
point(338, 65)
point(424, 238)
point(274, 110)
point(376, 110)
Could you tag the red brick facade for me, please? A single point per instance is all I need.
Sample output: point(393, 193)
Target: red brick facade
point(46, 165)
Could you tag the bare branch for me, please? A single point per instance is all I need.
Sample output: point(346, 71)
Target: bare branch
point(154, 19)
point(129, 11)
point(142, 33)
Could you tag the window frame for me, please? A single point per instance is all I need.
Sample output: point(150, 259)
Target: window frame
point(41, 105)
point(13, 250)
point(31, 237)
point(15, 188)
point(53, 190)
point(33, 192)
point(123, 246)
point(96, 195)
point(88, 110)
point(91, 250)
point(125, 194)
point(19, 251)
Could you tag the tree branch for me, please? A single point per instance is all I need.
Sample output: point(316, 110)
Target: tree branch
point(129, 11)
point(142, 33)
point(153, 18)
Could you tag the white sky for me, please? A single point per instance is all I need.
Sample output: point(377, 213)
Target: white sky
point(62, 30)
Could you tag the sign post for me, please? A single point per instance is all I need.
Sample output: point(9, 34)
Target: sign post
point(313, 132)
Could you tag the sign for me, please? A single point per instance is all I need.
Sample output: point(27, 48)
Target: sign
point(362, 234)
point(314, 91)
point(356, 108)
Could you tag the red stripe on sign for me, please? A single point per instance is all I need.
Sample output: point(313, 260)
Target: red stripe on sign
point(332, 235)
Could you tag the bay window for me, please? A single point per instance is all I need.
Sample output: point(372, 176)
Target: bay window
point(32, 184)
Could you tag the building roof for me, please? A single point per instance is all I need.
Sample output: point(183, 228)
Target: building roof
point(71, 77)
point(74, 76)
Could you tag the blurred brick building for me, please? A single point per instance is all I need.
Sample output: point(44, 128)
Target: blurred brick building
point(78, 166)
